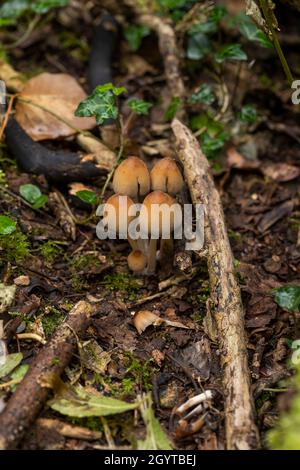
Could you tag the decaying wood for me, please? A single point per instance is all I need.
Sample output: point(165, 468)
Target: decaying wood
point(167, 46)
point(227, 308)
point(31, 394)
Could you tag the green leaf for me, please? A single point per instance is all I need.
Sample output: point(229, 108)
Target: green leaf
point(79, 403)
point(43, 6)
point(110, 87)
point(204, 95)
point(171, 4)
point(232, 52)
point(288, 297)
point(156, 438)
point(11, 362)
point(248, 114)
point(13, 9)
point(18, 375)
point(32, 194)
point(7, 225)
point(40, 201)
point(172, 108)
point(211, 146)
point(198, 46)
point(101, 103)
point(134, 35)
point(139, 106)
point(211, 25)
point(249, 29)
point(87, 196)
point(286, 433)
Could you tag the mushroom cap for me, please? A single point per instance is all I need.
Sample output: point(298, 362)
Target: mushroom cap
point(159, 210)
point(132, 178)
point(116, 210)
point(137, 261)
point(166, 176)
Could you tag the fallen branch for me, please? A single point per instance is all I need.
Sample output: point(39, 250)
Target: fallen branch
point(30, 396)
point(168, 49)
point(227, 308)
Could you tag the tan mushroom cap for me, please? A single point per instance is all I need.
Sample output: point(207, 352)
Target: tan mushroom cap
point(152, 206)
point(137, 261)
point(116, 206)
point(132, 178)
point(166, 176)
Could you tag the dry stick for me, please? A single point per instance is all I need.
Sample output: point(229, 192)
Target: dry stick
point(30, 396)
point(241, 432)
point(168, 49)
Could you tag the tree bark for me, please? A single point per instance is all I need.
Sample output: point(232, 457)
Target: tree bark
point(227, 308)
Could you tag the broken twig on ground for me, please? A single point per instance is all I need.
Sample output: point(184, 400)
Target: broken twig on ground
point(30, 396)
point(241, 432)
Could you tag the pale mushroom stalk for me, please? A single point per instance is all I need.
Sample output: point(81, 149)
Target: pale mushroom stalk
point(154, 219)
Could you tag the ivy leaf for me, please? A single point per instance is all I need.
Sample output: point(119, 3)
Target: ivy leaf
point(198, 46)
point(232, 52)
point(204, 95)
point(101, 103)
point(139, 106)
point(288, 297)
point(209, 26)
point(249, 29)
point(248, 114)
point(7, 225)
point(110, 87)
point(211, 146)
point(87, 196)
point(172, 108)
point(80, 402)
point(11, 362)
point(134, 35)
point(32, 194)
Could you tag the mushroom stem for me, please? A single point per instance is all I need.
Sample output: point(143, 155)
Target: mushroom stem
point(133, 243)
point(152, 247)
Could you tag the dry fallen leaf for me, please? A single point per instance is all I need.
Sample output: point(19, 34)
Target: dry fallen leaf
point(22, 281)
point(14, 81)
point(60, 94)
point(281, 172)
point(145, 318)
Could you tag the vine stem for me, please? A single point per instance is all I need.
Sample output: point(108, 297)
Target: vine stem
point(266, 12)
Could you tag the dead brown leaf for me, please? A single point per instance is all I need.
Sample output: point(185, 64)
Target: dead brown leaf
point(59, 94)
point(13, 80)
point(280, 172)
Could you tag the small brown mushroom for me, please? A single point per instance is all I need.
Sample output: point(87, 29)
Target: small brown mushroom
point(159, 214)
point(132, 178)
point(137, 261)
point(166, 176)
point(116, 213)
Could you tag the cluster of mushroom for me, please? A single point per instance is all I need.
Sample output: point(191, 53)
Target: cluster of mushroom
point(133, 181)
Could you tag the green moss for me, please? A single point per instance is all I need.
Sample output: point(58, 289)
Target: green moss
point(122, 282)
point(51, 321)
point(93, 423)
point(50, 251)
point(14, 248)
point(81, 264)
point(138, 372)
